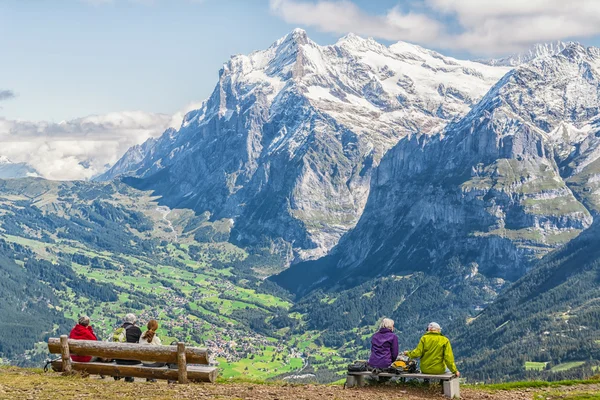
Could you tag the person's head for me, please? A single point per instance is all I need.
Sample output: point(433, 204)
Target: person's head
point(130, 318)
point(434, 327)
point(387, 323)
point(152, 327)
point(84, 320)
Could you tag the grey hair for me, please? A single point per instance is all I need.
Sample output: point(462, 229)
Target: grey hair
point(387, 323)
point(84, 320)
point(434, 326)
point(131, 318)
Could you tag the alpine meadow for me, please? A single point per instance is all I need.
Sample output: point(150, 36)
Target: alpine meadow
point(317, 190)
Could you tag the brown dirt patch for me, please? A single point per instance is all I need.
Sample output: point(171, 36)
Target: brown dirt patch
point(18, 383)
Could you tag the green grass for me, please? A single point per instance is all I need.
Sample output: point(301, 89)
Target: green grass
point(534, 384)
point(567, 366)
point(568, 396)
point(582, 396)
point(554, 206)
point(264, 365)
point(535, 366)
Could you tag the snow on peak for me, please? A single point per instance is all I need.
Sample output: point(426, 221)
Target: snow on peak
point(350, 79)
point(555, 96)
point(298, 34)
point(535, 51)
point(5, 160)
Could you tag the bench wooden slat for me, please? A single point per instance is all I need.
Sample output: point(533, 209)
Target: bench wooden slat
point(194, 373)
point(129, 351)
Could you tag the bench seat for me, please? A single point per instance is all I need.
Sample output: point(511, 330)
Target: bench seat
point(194, 373)
point(179, 356)
point(450, 381)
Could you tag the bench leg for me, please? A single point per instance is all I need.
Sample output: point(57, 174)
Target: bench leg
point(350, 381)
point(360, 380)
point(452, 389)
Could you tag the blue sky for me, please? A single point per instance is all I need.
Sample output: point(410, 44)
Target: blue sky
point(71, 58)
point(66, 59)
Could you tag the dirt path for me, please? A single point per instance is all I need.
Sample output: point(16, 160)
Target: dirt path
point(27, 384)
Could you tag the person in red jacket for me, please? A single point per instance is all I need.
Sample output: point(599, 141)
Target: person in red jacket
point(82, 331)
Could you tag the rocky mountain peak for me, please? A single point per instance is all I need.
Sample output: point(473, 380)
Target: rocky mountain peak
point(545, 94)
point(287, 141)
point(353, 42)
point(297, 36)
point(535, 51)
point(512, 180)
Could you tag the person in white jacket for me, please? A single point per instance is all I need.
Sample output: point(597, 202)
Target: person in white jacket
point(150, 338)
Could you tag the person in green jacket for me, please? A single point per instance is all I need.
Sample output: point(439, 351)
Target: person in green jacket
point(435, 352)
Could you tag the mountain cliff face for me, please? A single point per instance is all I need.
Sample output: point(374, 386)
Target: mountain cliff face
point(512, 180)
point(287, 142)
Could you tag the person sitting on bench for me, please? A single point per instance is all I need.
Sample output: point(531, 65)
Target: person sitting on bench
point(82, 331)
point(435, 352)
point(384, 346)
point(151, 338)
point(129, 332)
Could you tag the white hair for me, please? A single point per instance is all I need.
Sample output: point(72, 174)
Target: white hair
point(434, 326)
point(131, 318)
point(386, 323)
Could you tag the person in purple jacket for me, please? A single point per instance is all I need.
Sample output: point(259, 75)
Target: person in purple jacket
point(384, 346)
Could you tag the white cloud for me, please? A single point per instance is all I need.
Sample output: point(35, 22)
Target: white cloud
point(344, 16)
point(510, 25)
point(177, 118)
point(485, 26)
point(80, 148)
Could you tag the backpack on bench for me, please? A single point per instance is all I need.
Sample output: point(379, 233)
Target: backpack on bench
point(404, 365)
point(358, 366)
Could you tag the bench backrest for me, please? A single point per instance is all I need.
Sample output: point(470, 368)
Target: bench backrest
point(128, 351)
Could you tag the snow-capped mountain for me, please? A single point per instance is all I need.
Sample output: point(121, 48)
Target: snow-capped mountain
point(515, 178)
point(535, 51)
point(11, 170)
point(287, 142)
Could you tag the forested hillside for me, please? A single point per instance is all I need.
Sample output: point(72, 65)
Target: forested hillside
point(551, 316)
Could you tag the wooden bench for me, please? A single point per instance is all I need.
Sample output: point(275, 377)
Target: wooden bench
point(179, 355)
point(450, 381)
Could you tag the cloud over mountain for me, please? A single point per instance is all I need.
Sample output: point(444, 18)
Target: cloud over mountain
point(79, 148)
point(492, 26)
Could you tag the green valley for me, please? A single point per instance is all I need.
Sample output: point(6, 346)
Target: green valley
point(106, 249)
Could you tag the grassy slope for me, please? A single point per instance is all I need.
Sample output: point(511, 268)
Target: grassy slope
point(27, 383)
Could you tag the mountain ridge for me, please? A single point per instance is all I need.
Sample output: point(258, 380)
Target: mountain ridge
point(535, 51)
point(323, 114)
point(11, 170)
point(495, 170)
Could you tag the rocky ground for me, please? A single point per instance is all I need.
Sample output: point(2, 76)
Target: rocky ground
point(33, 384)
